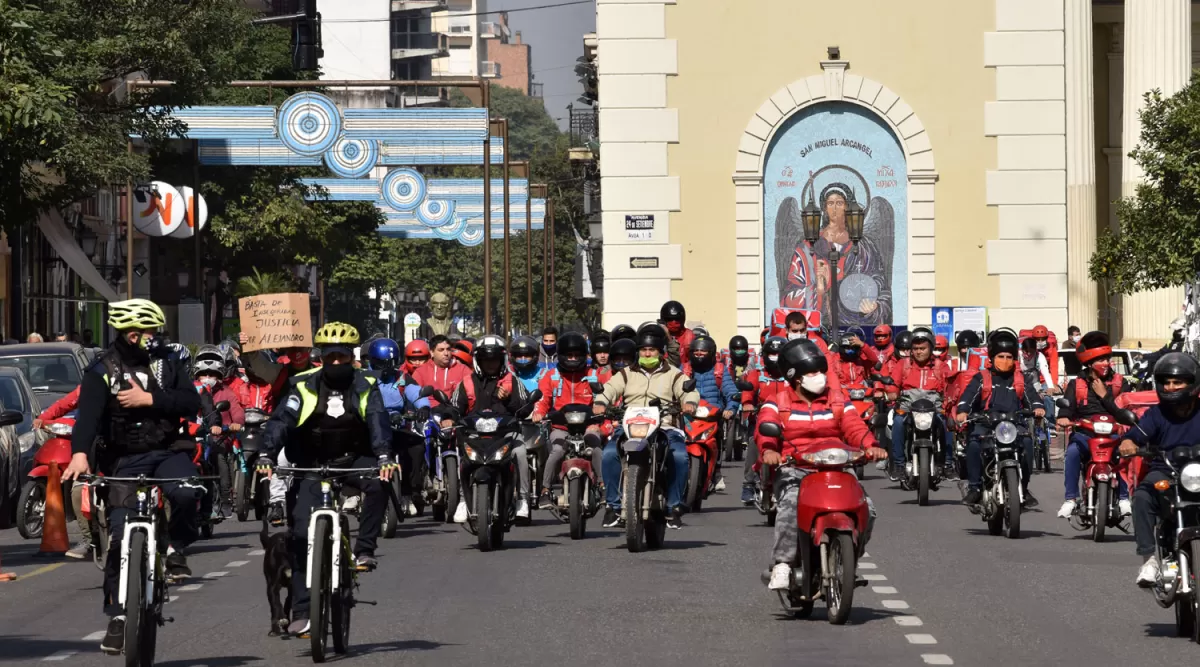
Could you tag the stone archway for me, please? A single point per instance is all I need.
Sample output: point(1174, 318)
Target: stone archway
point(835, 84)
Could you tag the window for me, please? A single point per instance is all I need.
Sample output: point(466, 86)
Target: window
point(57, 373)
point(11, 396)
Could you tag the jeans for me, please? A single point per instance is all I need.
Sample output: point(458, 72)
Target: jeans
point(787, 531)
point(85, 527)
point(1078, 454)
point(302, 497)
point(558, 453)
point(974, 455)
point(899, 431)
point(677, 469)
point(1148, 504)
point(182, 527)
point(410, 451)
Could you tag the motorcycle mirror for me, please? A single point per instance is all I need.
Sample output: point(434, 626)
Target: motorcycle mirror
point(742, 385)
point(1127, 417)
point(535, 396)
point(11, 418)
point(221, 407)
point(770, 430)
point(689, 386)
point(888, 381)
point(440, 396)
point(1062, 403)
point(427, 391)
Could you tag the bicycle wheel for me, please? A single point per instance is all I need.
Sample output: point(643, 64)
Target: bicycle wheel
point(320, 594)
point(135, 602)
point(343, 598)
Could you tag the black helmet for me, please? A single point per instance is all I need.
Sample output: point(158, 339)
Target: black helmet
point(904, 341)
point(490, 348)
point(672, 311)
point(923, 335)
point(739, 350)
point(801, 357)
point(1176, 365)
point(623, 331)
point(624, 351)
point(601, 345)
point(771, 350)
point(572, 344)
point(1002, 340)
point(966, 339)
point(703, 344)
point(652, 335)
point(526, 349)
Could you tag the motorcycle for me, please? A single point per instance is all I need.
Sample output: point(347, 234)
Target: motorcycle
point(832, 515)
point(863, 397)
point(1100, 509)
point(393, 514)
point(1003, 488)
point(581, 498)
point(703, 453)
point(534, 436)
point(209, 464)
point(442, 489)
point(250, 489)
point(31, 505)
point(924, 449)
point(644, 456)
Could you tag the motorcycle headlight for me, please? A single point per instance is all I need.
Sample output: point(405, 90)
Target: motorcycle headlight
point(1102, 428)
point(27, 441)
point(1006, 433)
point(1189, 477)
point(639, 431)
point(487, 425)
point(835, 456)
point(858, 394)
point(61, 429)
point(500, 453)
point(576, 417)
point(702, 412)
point(923, 420)
point(471, 453)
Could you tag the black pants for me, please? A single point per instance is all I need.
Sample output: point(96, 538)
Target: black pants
point(410, 451)
point(182, 528)
point(302, 497)
point(1148, 504)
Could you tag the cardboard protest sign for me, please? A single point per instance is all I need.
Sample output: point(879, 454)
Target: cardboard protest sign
point(275, 320)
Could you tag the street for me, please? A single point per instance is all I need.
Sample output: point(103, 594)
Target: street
point(942, 591)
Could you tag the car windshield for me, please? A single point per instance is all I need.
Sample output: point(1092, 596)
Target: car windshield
point(47, 372)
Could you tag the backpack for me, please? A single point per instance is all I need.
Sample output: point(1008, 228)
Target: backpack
point(986, 387)
point(1081, 388)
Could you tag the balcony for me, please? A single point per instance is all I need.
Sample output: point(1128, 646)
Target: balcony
point(535, 90)
point(419, 45)
point(417, 5)
point(584, 132)
point(492, 30)
point(489, 69)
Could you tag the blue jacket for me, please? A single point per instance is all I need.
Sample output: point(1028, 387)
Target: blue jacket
point(531, 379)
point(400, 393)
point(1165, 432)
point(722, 394)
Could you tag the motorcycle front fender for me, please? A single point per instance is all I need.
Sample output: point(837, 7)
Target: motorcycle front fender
point(574, 468)
point(1008, 463)
point(923, 443)
point(1189, 534)
point(485, 474)
point(834, 522)
point(39, 472)
point(697, 450)
point(1101, 471)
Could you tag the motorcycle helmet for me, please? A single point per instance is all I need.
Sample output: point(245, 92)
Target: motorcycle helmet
point(383, 354)
point(623, 331)
point(922, 335)
point(672, 311)
point(600, 345)
point(1093, 347)
point(1002, 340)
point(739, 350)
point(524, 354)
point(801, 357)
point(845, 349)
point(904, 341)
point(417, 349)
point(463, 349)
point(771, 350)
point(882, 335)
point(940, 345)
point(652, 335)
point(707, 346)
point(1180, 366)
point(572, 352)
point(966, 340)
point(490, 357)
point(209, 359)
point(623, 353)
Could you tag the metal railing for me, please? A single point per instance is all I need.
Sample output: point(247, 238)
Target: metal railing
point(585, 125)
point(420, 41)
point(415, 5)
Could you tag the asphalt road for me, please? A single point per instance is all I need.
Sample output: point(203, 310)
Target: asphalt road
point(942, 592)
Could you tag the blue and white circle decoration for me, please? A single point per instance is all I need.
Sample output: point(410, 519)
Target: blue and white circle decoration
point(352, 158)
point(309, 124)
point(472, 235)
point(435, 212)
point(451, 231)
point(403, 189)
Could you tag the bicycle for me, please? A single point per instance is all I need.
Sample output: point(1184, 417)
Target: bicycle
point(331, 575)
point(143, 579)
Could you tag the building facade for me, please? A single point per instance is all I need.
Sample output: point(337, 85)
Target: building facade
point(982, 142)
point(508, 56)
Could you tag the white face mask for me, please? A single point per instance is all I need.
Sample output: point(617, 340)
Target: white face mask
point(796, 334)
point(208, 381)
point(1041, 345)
point(813, 384)
point(1075, 339)
point(937, 353)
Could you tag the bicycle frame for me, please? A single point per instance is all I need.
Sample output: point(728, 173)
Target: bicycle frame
point(330, 510)
point(145, 520)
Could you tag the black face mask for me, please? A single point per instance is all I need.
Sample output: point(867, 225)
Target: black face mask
point(338, 376)
point(703, 365)
point(131, 353)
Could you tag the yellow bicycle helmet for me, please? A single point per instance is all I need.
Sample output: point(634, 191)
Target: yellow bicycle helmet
point(336, 333)
point(135, 314)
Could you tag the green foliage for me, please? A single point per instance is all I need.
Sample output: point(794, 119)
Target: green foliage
point(264, 283)
point(1159, 238)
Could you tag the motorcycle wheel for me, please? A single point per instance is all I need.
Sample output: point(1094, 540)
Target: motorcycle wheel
point(695, 487)
point(839, 598)
point(241, 504)
point(576, 508)
point(635, 534)
point(483, 516)
point(924, 476)
point(771, 518)
point(1012, 508)
point(262, 497)
point(1192, 603)
point(31, 509)
point(995, 522)
point(450, 475)
point(1103, 510)
point(730, 442)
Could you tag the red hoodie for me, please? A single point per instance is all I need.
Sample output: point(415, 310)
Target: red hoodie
point(442, 379)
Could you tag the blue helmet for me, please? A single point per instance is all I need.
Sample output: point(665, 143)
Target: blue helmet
point(383, 354)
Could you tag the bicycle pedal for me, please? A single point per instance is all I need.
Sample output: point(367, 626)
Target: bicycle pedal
point(168, 619)
point(370, 602)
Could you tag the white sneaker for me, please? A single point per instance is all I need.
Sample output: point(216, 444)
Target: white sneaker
point(523, 508)
point(460, 513)
point(720, 484)
point(1067, 509)
point(351, 504)
point(1148, 576)
point(781, 577)
point(407, 504)
point(1126, 507)
point(882, 465)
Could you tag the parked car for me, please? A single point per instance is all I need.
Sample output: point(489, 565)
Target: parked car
point(18, 441)
point(53, 369)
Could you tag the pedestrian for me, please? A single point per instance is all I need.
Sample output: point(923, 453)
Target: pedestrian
point(88, 341)
point(60, 337)
point(35, 337)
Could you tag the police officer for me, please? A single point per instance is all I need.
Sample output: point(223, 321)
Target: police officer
point(332, 415)
point(136, 397)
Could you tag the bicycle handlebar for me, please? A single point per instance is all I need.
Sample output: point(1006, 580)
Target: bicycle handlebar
point(102, 479)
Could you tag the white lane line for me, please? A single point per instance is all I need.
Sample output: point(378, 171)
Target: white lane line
point(866, 555)
point(99, 634)
point(909, 621)
point(895, 604)
point(172, 598)
point(884, 590)
point(920, 639)
point(257, 552)
point(237, 563)
point(874, 577)
point(936, 659)
point(867, 566)
point(191, 587)
point(215, 575)
point(61, 655)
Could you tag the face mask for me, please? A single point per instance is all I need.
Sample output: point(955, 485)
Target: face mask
point(675, 328)
point(1041, 345)
point(938, 353)
point(1075, 339)
point(702, 363)
point(813, 384)
point(904, 353)
point(649, 363)
point(1101, 368)
point(797, 334)
point(1003, 365)
point(208, 381)
point(619, 364)
point(549, 349)
point(338, 376)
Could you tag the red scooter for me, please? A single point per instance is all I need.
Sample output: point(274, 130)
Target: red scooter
point(833, 516)
point(1099, 509)
point(31, 506)
point(862, 396)
point(703, 452)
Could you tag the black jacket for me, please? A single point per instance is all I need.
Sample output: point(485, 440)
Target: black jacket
point(1004, 395)
point(286, 420)
point(1095, 404)
point(485, 396)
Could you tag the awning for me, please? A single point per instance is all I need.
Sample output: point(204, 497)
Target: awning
point(56, 232)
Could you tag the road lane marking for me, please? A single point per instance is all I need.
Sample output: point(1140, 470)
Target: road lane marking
point(41, 570)
point(172, 598)
point(237, 563)
point(867, 566)
point(884, 590)
point(936, 659)
point(215, 575)
point(920, 639)
point(911, 621)
point(895, 604)
point(61, 655)
point(99, 634)
point(191, 587)
point(874, 577)
point(258, 552)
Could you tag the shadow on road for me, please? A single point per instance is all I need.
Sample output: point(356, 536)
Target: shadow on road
point(216, 548)
point(226, 661)
point(1025, 533)
point(933, 502)
point(420, 531)
point(527, 544)
point(858, 615)
point(23, 648)
point(1160, 630)
point(719, 510)
point(396, 645)
point(1108, 537)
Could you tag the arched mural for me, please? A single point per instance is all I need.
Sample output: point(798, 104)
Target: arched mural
point(834, 156)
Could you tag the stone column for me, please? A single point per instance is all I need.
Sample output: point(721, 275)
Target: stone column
point(1081, 164)
point(1158, 55)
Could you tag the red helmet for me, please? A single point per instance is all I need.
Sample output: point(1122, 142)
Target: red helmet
point(940, 343)
point(464, 351)
point(417, 348)
point(1093, 346)
point(1040, 331)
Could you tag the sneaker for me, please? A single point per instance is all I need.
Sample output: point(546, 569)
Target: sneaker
point(1147, 576)
point(882, 465)
point(747, 495)
point(114, 638)
point(351, 504)
point(973, 497)
point(177, 566)
point(675, 521)
point(1067, 509)
point(1124, 504)
point(1030, 502)
point(298, 627)
point(544, 501)
point(460, 513)
point(896, 472)
point(407, 505)
point(81, 551)
point(275, 514)
point(611, 518)
point(720, 485)
point(522, 508)
point(781, 577)
point(365, 562)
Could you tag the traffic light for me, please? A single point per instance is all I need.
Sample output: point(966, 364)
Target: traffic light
point(306, 37)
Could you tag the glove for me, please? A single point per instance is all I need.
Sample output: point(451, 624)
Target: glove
point(387, 468)
point(264, 465)
point(423, 414)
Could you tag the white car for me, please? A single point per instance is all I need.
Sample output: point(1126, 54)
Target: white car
point(1123, 360)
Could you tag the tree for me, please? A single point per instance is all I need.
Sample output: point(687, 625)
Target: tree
point(65, 112)
point(1159, 238)
point(264, 283)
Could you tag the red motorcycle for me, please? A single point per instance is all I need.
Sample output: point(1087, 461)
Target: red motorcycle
point(862, 396)
point(581, 498)
point(832, 514)
point(31, 506)
point(1099, 509)
point(703, 452)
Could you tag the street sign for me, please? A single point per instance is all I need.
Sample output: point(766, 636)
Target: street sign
point(943, 322)
point(412, 322)
point(949, 322)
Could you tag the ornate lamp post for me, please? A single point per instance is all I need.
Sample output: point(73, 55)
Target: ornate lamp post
point(811, 218)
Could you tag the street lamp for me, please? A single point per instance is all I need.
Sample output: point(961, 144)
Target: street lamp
point(811, 219)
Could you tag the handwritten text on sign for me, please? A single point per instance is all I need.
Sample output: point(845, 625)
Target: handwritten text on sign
point(275, 320)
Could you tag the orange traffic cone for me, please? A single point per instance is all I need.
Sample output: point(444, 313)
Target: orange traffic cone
point(7, 576)
point(54, 523)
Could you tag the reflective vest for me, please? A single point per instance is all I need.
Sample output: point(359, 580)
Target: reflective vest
point(310, 398)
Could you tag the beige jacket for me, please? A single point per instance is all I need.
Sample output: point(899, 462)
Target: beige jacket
point(638, 387)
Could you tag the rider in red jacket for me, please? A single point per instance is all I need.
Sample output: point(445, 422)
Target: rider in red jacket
point(921, 375)
point(672, 315)
point(568, 383)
